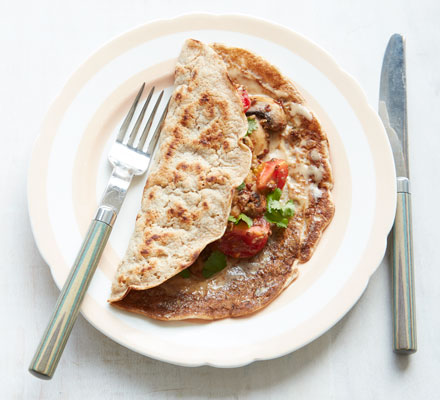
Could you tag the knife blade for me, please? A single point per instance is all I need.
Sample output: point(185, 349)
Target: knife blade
point(393, 112)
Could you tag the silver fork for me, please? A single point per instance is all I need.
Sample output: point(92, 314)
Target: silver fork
point(127, 160)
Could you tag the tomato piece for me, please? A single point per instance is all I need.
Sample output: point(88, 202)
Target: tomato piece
point(271, 175)
point(240, 241)
point(244, 96)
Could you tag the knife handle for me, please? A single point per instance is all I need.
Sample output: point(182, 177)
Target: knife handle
point(55, 337)
point(405, 338)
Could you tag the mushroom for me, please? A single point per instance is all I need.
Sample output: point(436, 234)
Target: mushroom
point(260, 141)
point(270, 113)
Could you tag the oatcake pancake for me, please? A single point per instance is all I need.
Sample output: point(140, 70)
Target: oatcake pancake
point(187, 197)
point(283, 130)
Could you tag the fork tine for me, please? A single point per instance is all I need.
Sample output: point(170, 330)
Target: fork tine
point(139, 120)
point(156, 133)
point(149, 123)
point(127, 120)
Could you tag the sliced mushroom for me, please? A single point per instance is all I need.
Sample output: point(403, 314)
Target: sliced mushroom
point(260, 141)
point(270, 113)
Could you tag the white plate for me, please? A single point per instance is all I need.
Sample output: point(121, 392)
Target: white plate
point(68, 172)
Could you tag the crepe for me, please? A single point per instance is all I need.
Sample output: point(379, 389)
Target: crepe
point(247, 285)
point(188, 194)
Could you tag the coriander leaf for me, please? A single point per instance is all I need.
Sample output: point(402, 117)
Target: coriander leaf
point(241, 187)
point(252, 125)
point(241, 217)
point(274, 205)
point(277, 219)
point(278, 213)
point(289, 209)
point(275, 195)
point(215, 263)
point(185, 273)
point(246, 219)
point(273, 200)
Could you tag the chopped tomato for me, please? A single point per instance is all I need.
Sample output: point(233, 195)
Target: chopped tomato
point(240, 241)
point(244, 96)
point(271, 175)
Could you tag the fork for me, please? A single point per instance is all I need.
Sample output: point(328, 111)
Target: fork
point(127, 160)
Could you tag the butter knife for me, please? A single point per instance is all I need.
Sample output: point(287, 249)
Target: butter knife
point(393, 111)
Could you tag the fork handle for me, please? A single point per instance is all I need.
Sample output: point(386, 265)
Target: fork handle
point(405, 339)
point(52, 344)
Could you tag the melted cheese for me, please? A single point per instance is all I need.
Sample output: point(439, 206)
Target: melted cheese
point(315, 155)
point(295, 110)
point(308, 171)
point(316, 192)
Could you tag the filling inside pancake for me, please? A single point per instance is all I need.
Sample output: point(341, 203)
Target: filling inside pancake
point(261, 204)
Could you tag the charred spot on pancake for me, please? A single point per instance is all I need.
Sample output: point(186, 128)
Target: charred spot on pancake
point(182, 214)
point(150, 239)
point(188, 117)
point(177, 177)
point(179, 70)
point(211, 136)
point(204, 99)
point(178, 211)
point(216, 179)
point(144, 252)
point(183, 166)
point(177, 133)
point(159, 252)
point(209, 111)
point(170, 149)
point(197, 167)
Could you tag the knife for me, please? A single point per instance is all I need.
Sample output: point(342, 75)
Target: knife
point(393, 111)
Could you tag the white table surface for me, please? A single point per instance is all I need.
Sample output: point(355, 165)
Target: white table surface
point(43, 42)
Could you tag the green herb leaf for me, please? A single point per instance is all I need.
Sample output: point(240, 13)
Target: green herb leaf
point(185, 273)
point(275, 195)
point(278, 213)
point(289, 209)
point(252, 125)
point(241, 217)
point(277, 219)
point(241, 187)
point(273, 202)
point(215, 263)
point(246, 219)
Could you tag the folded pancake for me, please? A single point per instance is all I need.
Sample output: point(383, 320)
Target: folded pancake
point(188, 194)
point(282, 129)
